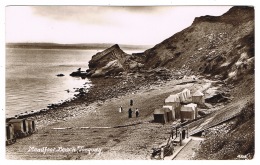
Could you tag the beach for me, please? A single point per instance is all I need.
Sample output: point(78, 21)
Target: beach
point(91, 127)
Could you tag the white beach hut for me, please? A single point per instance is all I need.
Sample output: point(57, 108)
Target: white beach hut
point(171, 108)
point(174, 101)
point(187, 113)
point(198, 97)
point(194, 108)
point(31, 126)
point(21, 127)
point(10, 137)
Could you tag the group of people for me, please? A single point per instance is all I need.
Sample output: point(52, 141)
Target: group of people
point(130, 111)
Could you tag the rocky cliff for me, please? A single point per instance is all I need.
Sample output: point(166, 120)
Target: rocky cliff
point(112, 61)
point(113, 53)
point(219, 46)
point(214, 45)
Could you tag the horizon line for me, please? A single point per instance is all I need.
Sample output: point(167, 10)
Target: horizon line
point(108, 43)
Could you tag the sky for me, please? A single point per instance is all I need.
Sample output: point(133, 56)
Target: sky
point(101, 24)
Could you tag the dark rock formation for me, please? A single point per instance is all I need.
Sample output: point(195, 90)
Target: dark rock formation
point(79, 74)
point(60, 75)
point(216, 99)
point(113, 67)
point(112, 61)
point(101, 59)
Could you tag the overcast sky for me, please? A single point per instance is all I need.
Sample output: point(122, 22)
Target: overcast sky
point(97, 24)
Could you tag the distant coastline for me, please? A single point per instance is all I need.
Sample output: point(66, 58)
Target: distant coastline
point(73, 46)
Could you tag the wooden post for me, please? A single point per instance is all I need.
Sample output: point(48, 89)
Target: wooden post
point(187, 132)
point(180, 138)
point(172, 133)
point(176, 132)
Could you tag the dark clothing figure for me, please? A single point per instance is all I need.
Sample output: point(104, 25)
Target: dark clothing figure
point(131, 102)
point(130, 113)
point(136, 112)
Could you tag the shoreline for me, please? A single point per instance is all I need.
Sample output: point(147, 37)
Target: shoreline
point(102, 88)
point(59, 126)
point(93, 122)
point(50, 106)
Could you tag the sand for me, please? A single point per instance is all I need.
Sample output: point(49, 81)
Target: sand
point(92, 132)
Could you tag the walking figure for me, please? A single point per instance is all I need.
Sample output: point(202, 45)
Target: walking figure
point(136, 112)
point(130, 113)
point(120, 109)
point(131, 102)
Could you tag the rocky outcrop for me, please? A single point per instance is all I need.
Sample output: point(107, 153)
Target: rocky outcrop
point(112, 61)
point(101, 59)
point(60, 75)
point(112, 67)
point(81, 74)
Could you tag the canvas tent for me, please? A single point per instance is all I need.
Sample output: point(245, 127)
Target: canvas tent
point(160, 116)
point(184, 95)
point(20, 126)
point(198, 97)
point(173, 100)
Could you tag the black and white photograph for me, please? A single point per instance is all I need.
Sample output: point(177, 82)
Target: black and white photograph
point(115, 82)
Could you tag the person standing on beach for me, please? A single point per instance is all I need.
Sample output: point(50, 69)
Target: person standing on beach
point(131, 102)
point(136, 112)
point(120, 109)
point(130, 113)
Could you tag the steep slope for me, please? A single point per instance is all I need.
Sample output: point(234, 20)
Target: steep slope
point(219, 46)
point(222, 45)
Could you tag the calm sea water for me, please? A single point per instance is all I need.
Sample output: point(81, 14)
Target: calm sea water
point(31, 81)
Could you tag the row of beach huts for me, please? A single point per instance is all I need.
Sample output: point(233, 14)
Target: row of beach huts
point(181, 106)
point(19, 128)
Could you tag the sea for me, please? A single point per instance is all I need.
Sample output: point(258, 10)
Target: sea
point(31, 77)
